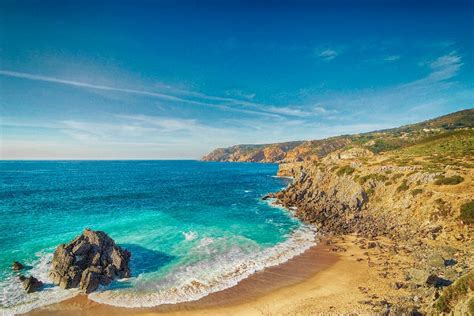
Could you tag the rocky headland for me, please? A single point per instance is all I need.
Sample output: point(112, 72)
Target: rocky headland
point(405, 197)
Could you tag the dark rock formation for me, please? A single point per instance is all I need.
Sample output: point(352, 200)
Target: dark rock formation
point(333, 203)
point(436, 281)
point(268, 196)
point(90, 260)
point(30, 284)
point(17, 266)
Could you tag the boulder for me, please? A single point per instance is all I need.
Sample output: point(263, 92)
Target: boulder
point(90, 260)
point(437, 281)
point(418, 276)
point(371, 244)
point(31, 284)
point(17, 266)
point(436, 260)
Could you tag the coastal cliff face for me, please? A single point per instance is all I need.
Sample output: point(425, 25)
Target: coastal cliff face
point(281, 152)
point(376, 142)
point(378, 197)
point(414, 197)
point(407, 192)
point(252, 153)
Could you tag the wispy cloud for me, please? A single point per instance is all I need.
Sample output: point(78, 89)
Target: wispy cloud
point(400, 103)
point(392, 58)
point(86, 85)
point(441, 70)
point(240, 94)
point(445, 67)
point(194, 98)
point(166, 124)
point(327, 54)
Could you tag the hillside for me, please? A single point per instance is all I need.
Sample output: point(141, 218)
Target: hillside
point(402, 197)
point(411, 210)
point(376, 142)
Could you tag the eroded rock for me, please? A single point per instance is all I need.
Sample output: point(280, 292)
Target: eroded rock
point(17, 266)
point(31, 284)
point(90, 260)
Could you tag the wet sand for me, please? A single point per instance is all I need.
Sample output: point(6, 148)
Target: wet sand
point(295, 271)
point(326, 279)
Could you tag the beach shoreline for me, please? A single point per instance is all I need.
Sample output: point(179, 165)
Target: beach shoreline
point(260, 283)
point(336, 276)
point(295, 271)
point(312, 275)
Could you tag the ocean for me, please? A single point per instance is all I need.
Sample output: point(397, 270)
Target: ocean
point(192, 227)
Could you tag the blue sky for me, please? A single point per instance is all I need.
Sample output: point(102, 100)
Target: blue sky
point(176, 79)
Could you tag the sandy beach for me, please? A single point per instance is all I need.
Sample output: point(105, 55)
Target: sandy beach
point(333, 277)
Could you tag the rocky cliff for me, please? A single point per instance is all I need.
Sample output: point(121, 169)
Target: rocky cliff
point(420, 197)
point(378, 141)
point(407, 192)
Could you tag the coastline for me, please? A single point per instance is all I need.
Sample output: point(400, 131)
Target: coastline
point(335, 276)
point(294, 270)
point(322, 279)
point(359, 269)
point(240, 297)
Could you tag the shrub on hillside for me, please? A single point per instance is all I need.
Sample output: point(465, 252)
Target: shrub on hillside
point(396, 176)
point(375, 176)
point(403, 187)
point(453, 180)
point(454, 293)
point(345, 170)
point(415, 192)
point(467, 212)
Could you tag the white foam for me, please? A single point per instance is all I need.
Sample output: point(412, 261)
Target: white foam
point(224, 265)
point(224, 270)
point(205, 242)
point(191, 235)
point(14, 299)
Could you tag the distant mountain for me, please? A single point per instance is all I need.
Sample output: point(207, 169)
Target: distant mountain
point(377, 141)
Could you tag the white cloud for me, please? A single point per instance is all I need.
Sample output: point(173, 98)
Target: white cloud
point(445, 67)
point(406, 102)
point(328, 54)
point(240, 94)
point(158, 136)
point(165, 124)
point(442, 69)
point(86, 85)
point(193, 98)
point(392, 58)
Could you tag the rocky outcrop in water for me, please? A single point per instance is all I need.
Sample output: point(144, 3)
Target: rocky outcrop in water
point(17, 266)
point(31, 284)
point(90, 260)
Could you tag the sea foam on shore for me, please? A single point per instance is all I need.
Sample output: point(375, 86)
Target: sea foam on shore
point(193, 228)
point(189, 283)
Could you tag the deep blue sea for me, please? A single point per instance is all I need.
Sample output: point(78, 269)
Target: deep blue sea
point(192, 227)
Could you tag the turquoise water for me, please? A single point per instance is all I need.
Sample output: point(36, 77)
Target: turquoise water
point(192, 227)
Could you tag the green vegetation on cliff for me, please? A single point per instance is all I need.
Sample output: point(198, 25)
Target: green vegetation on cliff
point(467, 212)
point(455, 293)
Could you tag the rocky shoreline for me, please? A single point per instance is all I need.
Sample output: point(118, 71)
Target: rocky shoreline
point(419, 245)
point(405, 195)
